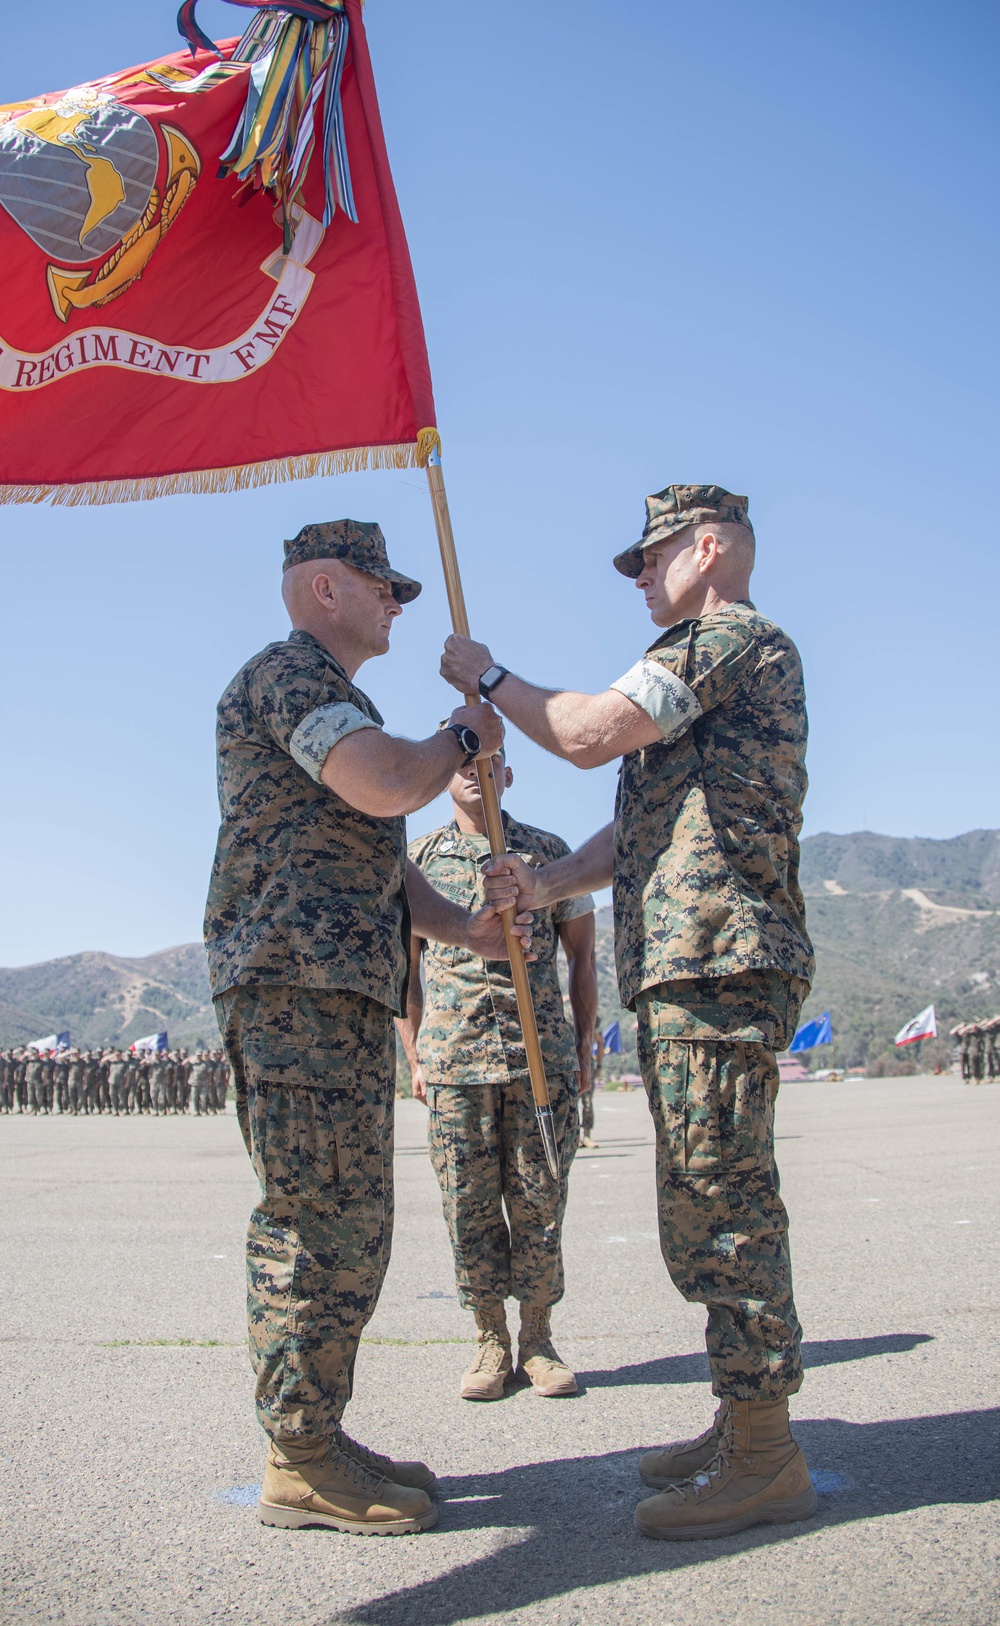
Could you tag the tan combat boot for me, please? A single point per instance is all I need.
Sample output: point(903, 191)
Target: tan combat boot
point(414, 1475)
point(684, 1457)
point(759, 1476)
point(315, 1482)
point(491, 1366)
point(536, 1357)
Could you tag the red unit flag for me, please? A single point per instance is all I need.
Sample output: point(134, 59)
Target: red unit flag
point(192, 300)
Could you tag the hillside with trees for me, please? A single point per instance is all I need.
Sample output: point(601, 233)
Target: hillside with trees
point(897, 924)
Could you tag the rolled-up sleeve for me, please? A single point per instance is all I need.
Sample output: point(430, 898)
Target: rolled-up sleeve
point(573, 908)
point(321, 730)
point(663, 696)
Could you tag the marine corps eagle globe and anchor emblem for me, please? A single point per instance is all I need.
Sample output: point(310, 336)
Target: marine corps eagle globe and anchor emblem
point(90, 179)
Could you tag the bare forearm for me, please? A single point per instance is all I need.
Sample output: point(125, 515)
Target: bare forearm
point(432, 915)
point(559, 720)
point(409, 1027)
point(584, 729)
point(392, 776)
point(586, 870)
point(583, 997)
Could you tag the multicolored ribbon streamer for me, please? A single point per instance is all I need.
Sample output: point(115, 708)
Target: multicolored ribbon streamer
point(296, 49)
point(317, 11)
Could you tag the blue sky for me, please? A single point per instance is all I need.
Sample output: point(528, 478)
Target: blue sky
point(754, 245)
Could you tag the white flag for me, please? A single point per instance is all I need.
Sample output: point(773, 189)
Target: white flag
point(52, 1041)
point(923, 1026)
point(152, 1041)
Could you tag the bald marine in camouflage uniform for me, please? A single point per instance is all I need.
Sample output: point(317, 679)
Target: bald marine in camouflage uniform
point(714, 958)
point(307, 935)
point(463, 1041)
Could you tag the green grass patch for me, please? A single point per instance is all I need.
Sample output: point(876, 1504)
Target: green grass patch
point(415, 1343)
point(221, 1343)
point(167, 1343)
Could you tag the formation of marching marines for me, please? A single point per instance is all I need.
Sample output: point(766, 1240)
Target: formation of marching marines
point(979, 1050)
point(113, 1081)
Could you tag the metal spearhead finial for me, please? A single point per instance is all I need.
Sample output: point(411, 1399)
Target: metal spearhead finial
point(547, 1130)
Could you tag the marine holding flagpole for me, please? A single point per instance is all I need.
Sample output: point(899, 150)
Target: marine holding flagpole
point(307, 931)
point(712, 955)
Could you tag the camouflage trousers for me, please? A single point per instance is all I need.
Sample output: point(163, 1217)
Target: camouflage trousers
point(587, 1111)
point(487, 1154)
point(723, 1226)
point(315, 1094)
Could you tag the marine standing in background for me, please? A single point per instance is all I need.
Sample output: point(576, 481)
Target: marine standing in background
point(77, 1082)
point(33, 1081)
point(463, 1040)
point(202, 1084)
point(587, 1096)
point(117, 1068)
point(977, 1053)
point(60, 1079)
point(158, 1072)
point(713, 957)
point(962, 1033)
point(307, 934)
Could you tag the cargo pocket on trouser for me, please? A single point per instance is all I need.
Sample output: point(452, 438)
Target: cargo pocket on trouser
point(723, 1227)
point(535, 1202)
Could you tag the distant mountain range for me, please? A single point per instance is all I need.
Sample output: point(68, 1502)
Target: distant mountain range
point(104, 999)
point(897, 923)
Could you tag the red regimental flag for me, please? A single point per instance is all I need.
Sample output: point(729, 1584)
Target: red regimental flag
point(153, 335)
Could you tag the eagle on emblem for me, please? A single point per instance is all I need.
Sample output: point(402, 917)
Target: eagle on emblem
point(80, 176)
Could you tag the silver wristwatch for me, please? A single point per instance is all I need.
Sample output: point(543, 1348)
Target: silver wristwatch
point(467, 738)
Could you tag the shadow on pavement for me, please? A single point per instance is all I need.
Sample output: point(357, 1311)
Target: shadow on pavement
point(694, 1368)
point(570, 1521)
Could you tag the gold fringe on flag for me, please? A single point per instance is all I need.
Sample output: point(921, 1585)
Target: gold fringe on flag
point(206, 482)
point(428, 441)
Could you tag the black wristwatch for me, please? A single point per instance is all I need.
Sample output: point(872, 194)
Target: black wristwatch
point(490, 678)
point(467, 738)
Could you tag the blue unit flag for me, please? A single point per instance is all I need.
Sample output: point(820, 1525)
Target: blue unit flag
point(810, 1034)
point(613, 1039)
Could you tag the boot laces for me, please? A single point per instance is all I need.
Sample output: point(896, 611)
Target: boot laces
point(706, 1477)
point(365, 1478)
point(373, 1461)
point(489, 1356)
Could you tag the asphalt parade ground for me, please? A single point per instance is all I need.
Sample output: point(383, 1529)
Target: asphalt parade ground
point(131, 1456)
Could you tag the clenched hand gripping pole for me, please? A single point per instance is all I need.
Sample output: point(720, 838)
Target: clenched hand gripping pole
point(494, 825)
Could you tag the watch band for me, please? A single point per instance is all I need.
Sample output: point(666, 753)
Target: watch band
point(491, 677)
point(465, 737)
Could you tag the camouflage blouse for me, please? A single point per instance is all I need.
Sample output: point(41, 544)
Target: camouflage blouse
point(706, 880)
point(304, 889)
point(470, 1033)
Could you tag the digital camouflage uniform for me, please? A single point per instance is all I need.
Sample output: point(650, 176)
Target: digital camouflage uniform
point(713, 957)
point(587, 1099)
point(33, 1081)
point(223, 1079)
point(307, 933)
point(977, 1061)
point(60, 1080)
point(203, 1084)
point(77, 1082)
point(117, 1069)
point(482, 1132)
point(158, 1070)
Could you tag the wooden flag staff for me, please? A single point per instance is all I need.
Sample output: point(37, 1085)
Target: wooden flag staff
point(494, 823)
